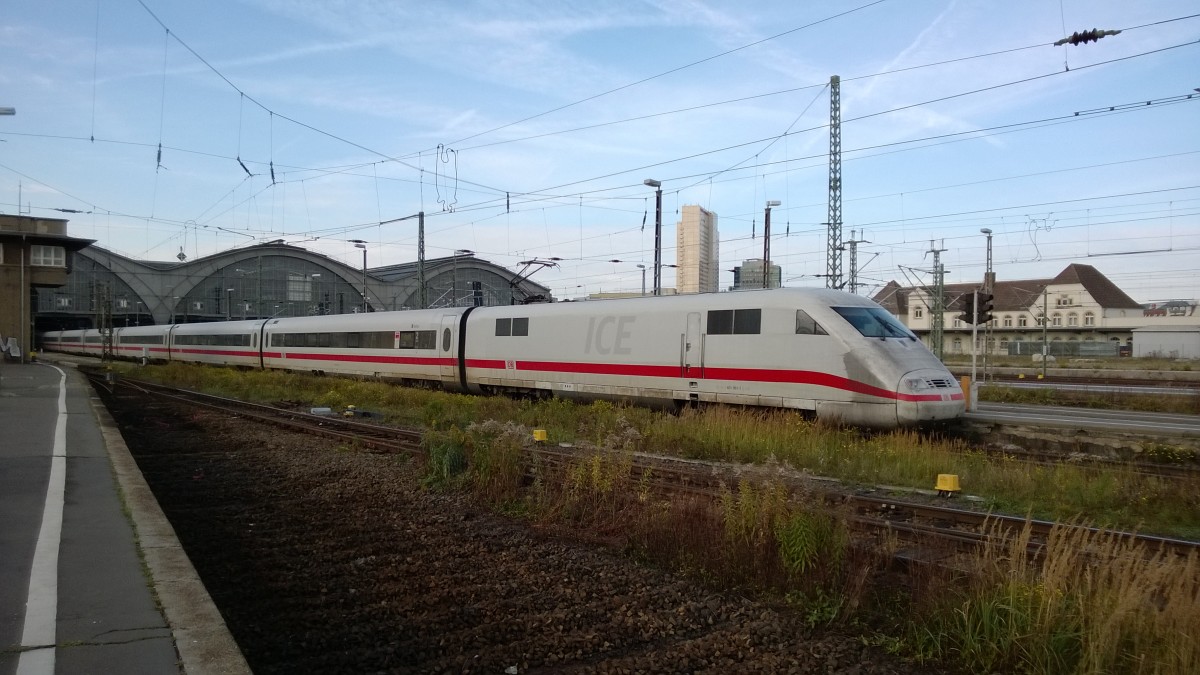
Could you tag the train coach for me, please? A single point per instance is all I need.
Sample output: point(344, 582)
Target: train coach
point(838, 355)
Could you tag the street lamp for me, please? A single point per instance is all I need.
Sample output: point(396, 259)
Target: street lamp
point(640, 267)
point(767, 243)
point(657, 185)
point(228, 304)
point(359, 243)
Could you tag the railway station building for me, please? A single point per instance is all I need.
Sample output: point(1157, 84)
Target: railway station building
point(35, 257)
point(1079, 312)
point(101, 288)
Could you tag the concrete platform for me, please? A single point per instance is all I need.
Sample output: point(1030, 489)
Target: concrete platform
point(92, 577)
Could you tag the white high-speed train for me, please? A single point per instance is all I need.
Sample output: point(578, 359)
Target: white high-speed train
point(839, 355)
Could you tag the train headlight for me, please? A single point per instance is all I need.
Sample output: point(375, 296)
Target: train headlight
point(915, 384)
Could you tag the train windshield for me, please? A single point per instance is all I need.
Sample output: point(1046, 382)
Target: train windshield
point(874, 322)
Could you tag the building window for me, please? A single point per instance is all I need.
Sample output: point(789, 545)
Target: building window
point(1072, 319)
point(47, 256)
point(957, 347)
point(1056, 319)
point(1089, 319)
point(918, 313)
point(1004, 343)
point(1022, 321)
point(1007, 321)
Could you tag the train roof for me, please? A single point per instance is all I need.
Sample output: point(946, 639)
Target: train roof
point(788, 298)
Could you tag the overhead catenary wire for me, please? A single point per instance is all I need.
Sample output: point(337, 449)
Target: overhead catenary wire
point(512, 201)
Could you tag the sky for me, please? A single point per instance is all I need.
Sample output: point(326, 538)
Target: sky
point(524, 130)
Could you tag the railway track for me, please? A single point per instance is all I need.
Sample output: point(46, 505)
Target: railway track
point(1181, 472)
point(370, 437)
point(920, 524)
point(1184, 386)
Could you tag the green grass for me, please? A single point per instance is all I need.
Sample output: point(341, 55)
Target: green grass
point(899, 458)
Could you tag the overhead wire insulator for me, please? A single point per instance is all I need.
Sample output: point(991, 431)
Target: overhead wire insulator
point(1081, 37)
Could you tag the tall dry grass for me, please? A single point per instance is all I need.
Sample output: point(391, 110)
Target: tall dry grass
point(1091, 603)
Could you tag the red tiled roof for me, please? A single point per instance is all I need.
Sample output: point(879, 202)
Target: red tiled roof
point(1018, 294)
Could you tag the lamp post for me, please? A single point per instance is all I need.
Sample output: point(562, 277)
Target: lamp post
point(359, 243)
point(1045, 327)
point(989, 282)
point(138, 320)
point(229, 304)
point(767, 243)
point(657, 185)
point(312, 280)
point(640, 267)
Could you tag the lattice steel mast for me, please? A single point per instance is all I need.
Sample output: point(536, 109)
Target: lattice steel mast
point(938, 323)
point(833, 254)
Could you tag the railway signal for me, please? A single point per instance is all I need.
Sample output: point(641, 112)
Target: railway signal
point(968, 306)
point(983, 307)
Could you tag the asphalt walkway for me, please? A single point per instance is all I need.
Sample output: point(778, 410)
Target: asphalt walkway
point(92, 577)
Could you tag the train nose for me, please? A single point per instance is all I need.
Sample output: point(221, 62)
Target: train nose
point(928, 395)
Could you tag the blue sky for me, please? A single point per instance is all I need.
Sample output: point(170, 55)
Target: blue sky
point(526, 129)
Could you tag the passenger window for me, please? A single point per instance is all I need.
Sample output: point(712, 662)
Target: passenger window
point(520, 327)
point(720, 322)
point(747, 321)
point(503, 327)
point(446, 340)
point(735, 322)
point(806, 326)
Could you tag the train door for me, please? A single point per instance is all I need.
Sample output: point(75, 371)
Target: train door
point(448, 348)
point(693, 350)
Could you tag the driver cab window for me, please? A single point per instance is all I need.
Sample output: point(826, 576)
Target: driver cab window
point(805, 325)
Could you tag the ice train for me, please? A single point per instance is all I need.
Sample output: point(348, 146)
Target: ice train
point(839, 355)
